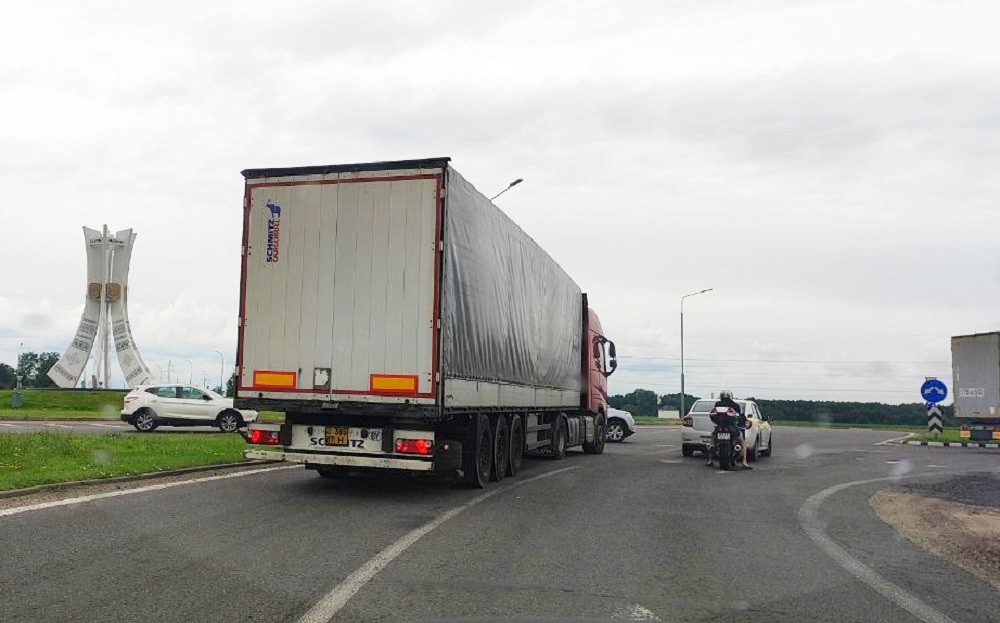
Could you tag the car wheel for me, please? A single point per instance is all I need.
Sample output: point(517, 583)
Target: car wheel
point(770, 446)
point(477, 456)
point(516, 446)
point(501, 448)
point(687, 451)
point(229, 421)
point(144, 420)
point(558, 444)
point(617, 432)
point(752, 452)
point(600, 434)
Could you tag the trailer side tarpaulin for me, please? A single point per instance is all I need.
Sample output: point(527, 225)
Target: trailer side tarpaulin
point(509, 312)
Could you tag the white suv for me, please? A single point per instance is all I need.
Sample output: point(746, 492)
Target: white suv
point(149, 406)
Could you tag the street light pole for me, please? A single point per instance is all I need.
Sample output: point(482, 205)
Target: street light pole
point(509, 186)
point(222, 371)
point(190, 372)
point(682, 413)
point(17, 366)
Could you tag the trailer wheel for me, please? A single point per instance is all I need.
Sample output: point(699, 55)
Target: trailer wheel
point(559, 433)
point(599, 436)
point(516, 446)
point(501, 447)
point(477, 455)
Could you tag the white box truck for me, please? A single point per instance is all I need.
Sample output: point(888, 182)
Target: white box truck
point(975, 363)
point(402, 321)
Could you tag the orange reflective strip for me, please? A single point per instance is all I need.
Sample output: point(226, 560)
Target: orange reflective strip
point(393, 383)
point(270, 378)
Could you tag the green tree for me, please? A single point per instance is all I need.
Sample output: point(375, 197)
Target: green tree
point(640, 402)
point(33, 368)
point(231, 386)
point(673, 401)
point(7, 374)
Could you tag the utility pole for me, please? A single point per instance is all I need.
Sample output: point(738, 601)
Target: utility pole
point(682, 413)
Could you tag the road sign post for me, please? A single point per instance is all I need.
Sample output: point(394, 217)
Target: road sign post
point(933, 391)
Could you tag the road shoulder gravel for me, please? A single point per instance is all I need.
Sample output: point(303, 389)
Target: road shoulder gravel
point(966, 535)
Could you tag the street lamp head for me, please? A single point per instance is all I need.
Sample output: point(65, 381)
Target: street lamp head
point(509, 186)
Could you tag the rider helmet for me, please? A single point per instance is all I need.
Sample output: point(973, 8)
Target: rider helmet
point(725, 394)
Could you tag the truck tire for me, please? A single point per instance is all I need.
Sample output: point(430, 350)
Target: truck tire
point(599, 436)
point(477, 454)
point(516, 446)
point(559, 434)
point(501, 447)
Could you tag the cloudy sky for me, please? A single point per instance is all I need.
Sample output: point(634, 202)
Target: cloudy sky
point(829, 168)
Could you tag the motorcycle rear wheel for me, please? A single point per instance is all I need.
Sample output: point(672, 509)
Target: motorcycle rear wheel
point(725, 455)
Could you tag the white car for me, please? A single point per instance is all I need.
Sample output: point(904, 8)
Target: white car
point(149, 406)
point(620, 425)
point(696, 432)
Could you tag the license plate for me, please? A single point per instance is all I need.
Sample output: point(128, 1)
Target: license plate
point(719, 436)
point(337, 435)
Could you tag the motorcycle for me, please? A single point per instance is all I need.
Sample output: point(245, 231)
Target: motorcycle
point(726, 438)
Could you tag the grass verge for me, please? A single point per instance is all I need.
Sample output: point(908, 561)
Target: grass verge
point(949, 435)
point(28, 459)
point(650, 419)
point(906, 428)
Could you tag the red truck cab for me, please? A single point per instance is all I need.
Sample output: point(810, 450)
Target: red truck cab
point(599, 362)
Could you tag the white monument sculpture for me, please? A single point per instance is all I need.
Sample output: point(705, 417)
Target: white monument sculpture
point(105, 315)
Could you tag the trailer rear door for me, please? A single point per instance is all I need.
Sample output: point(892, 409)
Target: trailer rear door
point(340, 285)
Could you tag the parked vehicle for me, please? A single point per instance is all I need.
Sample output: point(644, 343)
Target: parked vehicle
point(696, 432)
point(402, 321)
point(621, 425)
point(149, 406)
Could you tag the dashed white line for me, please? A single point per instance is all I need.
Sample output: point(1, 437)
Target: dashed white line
point(337, 598)
point(7, 512)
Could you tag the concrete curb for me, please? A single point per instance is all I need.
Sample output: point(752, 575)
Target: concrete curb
point(58, 486)
point(993, 445)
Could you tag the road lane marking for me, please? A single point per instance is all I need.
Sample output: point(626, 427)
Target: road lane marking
point(54, 425)
point(895, 440)
point(327, 607)
point(809, 518)
point(15, 425)
point(105, 425)
point(7, 512)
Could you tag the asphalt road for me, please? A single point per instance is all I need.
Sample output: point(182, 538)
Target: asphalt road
point(637, 534)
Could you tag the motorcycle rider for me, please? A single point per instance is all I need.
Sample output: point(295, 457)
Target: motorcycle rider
point(726, 402)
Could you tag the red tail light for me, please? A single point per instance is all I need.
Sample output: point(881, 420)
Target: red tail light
point(414, 446)
point(263, 437)
point(688, 421)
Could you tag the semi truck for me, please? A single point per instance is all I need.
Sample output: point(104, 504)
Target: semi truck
point(975, 364)
point(401, 321)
